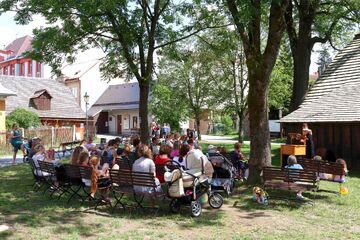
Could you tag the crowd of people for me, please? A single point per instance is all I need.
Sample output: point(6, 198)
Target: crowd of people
point(181, 150)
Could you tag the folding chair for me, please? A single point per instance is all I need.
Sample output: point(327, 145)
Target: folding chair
point(72, 172)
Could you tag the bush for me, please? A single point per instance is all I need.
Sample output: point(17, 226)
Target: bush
point(23, 118)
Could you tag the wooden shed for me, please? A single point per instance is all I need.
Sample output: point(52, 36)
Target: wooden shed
point(332, 107)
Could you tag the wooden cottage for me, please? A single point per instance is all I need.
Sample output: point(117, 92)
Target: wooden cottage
point(332, 108)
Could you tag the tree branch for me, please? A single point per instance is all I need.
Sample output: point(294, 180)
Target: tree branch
point(189, 35)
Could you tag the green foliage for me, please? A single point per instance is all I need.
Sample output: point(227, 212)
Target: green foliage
point(23, 118)
point(224, 125)
point(167, 106)
point(281, 80)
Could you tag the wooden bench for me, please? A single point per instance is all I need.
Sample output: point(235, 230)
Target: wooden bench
point(136, 184)
point(323, 167)
point(289, 179)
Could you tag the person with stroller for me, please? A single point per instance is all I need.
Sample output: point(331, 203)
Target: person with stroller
point(16, 141)
point(195, 160)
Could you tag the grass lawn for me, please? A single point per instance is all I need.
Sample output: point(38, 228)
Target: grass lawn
point(32, 215)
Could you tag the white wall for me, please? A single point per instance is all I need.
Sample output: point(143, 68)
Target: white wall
point(128, 114)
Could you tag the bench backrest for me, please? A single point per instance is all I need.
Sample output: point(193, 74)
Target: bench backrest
point(273, 173)
point(289, 175)
point(322, 166)
point(85, 172)
point(299, 175)
point(47, 167)
point(72, 172)
point(144, 179)
point(124, 163)
point(121, 177)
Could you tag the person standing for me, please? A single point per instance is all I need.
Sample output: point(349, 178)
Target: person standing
point(16, 141)
point(310, 151)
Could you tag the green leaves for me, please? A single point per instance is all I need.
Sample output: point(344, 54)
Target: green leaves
point(23, 118)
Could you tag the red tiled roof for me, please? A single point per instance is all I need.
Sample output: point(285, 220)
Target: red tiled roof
point(20, 45)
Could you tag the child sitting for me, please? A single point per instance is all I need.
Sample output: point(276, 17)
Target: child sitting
point(336, 178)
point(99, 179)
point(292, 164)
point(239, 163)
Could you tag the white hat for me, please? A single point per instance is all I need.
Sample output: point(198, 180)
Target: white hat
point(211, 146)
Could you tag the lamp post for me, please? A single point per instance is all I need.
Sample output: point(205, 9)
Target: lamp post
point(86, 100)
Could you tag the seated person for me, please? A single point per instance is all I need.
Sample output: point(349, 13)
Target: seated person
point(74, 160)
point(239, 161)
point(317, 158)
point(84, 159)
point(184, 149)
point(99, 179)
point(145, 164)
point(90, 146)
point(124, 157)
point(198, 162)
point(175, 151)
point(336, 178)
point(162, 158)
point(292, 164)
point(155, 148)
point(40, 155)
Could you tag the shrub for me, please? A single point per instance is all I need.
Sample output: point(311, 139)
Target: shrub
point(23, 118)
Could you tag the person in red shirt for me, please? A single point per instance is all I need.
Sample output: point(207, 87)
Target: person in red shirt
point(161, 159)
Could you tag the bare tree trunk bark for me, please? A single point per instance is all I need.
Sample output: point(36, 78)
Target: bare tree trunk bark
point(240, 130)
point(143, 112)
point(260, 148)
point(197, 120)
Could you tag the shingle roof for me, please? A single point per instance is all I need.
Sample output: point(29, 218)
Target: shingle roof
point(4, 92)
point(115, 97)
point(335, 97)
point(20, 45)
point(63, 103)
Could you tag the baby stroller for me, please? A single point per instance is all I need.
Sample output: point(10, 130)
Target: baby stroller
point(188, 187)
point(224, 173)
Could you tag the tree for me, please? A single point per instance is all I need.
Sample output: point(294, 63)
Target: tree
point(129, 32)
point(23, 118)
point(167, 106)
point(281, 80)
point(230, 60)
point(189, 69)
point(324, 59)
point(310, 22)
point(249, 17)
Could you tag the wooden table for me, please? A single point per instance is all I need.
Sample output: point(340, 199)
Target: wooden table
point(291, 149)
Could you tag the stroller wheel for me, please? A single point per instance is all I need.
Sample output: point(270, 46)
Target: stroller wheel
point(195, 209)
point(216, 200)
point(175, 206)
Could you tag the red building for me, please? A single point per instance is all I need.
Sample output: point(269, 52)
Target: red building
point(13, 62)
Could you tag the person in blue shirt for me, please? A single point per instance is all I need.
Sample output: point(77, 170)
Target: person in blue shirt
point(16, 141)
point(292, 164)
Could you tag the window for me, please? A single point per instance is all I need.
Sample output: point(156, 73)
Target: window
point(29, 68)
point(22, 69)
point(74, 92)
point(38, 69)
point(135, 122)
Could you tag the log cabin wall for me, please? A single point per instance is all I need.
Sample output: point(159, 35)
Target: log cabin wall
point(343, 139)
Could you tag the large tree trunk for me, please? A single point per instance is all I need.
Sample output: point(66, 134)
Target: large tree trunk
point(260, 148)
point(302, 59)
point(301, 47)
point(143, 111)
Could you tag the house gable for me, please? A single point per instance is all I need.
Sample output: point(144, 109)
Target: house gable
point(41, 100)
